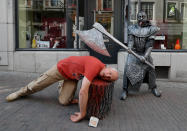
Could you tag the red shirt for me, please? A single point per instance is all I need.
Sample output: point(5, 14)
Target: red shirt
point(75, 67)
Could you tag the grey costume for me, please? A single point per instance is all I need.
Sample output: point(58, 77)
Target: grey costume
point(141, 41)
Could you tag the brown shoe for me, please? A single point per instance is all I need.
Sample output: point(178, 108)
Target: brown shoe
point(13, 96)
point(21, 92)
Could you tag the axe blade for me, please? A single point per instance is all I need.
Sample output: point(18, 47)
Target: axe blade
point(94, 39)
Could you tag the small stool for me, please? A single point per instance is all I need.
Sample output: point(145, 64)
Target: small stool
point(100, 98)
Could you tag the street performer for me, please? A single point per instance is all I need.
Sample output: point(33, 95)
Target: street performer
point(140, 41)
point(70, 70)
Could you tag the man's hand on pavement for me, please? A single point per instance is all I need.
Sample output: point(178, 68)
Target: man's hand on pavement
point(76, 117)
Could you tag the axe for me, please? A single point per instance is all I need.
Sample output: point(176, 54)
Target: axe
point(101, 29)
point(93, 39)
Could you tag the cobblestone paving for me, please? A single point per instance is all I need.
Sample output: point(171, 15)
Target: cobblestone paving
point(140, 112)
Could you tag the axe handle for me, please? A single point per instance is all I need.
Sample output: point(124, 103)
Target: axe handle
point(137, 56)
point(126, 48)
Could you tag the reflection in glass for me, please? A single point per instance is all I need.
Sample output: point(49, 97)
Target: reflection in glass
point(171, 10)
point(147, 7)
point(42, 24)
point(170, 16)
point(104, 14)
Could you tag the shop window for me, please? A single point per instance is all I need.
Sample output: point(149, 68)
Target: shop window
point(171, 17)
point(147, 7)
point(45, 24)
point(104, 14)
point(173, 30)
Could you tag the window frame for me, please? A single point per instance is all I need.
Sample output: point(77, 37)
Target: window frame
point(184, 20)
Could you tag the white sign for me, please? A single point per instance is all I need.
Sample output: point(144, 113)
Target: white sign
point(159, 37)
point(43, 44)
point(93, 121)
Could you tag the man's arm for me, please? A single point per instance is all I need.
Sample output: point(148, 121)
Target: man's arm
point(83, 99)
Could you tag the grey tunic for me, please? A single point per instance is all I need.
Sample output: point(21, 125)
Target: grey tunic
point(140, 40)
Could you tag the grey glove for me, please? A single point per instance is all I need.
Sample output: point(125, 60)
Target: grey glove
point(142, 59)
point(129, 50)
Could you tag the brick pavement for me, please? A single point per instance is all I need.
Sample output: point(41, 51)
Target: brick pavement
point(140, 112)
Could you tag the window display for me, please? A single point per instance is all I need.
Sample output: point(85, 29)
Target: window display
point(173, 27)
point(170, 16)
point(147, 7)
point(104, 14)
point(48, 24)
point(43, 23)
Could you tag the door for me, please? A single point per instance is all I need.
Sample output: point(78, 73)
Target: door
point(102, 11)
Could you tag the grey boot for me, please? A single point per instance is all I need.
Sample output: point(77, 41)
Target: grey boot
point(123, 95)
point(156, 92)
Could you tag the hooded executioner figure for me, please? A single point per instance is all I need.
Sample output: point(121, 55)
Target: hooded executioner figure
point(141, 41)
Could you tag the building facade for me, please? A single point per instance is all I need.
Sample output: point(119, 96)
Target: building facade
point(35, 34)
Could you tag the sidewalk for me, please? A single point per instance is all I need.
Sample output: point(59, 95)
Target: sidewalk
point(140, 112)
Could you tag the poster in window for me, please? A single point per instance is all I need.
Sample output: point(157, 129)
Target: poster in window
point(171, 10)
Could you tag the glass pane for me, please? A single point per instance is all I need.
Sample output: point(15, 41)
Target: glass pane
point(42, 24)
point(171, 17)
point(133, 11)
point(148, 9)
point(107, 4)
point(104, 14)
point(173, 28)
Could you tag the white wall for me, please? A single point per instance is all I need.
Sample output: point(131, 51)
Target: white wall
point(7, 40)
point(177, 63)
point(3, 33)
point(40, 61)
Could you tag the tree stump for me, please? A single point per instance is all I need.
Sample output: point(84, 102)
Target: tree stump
point(100, 98)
